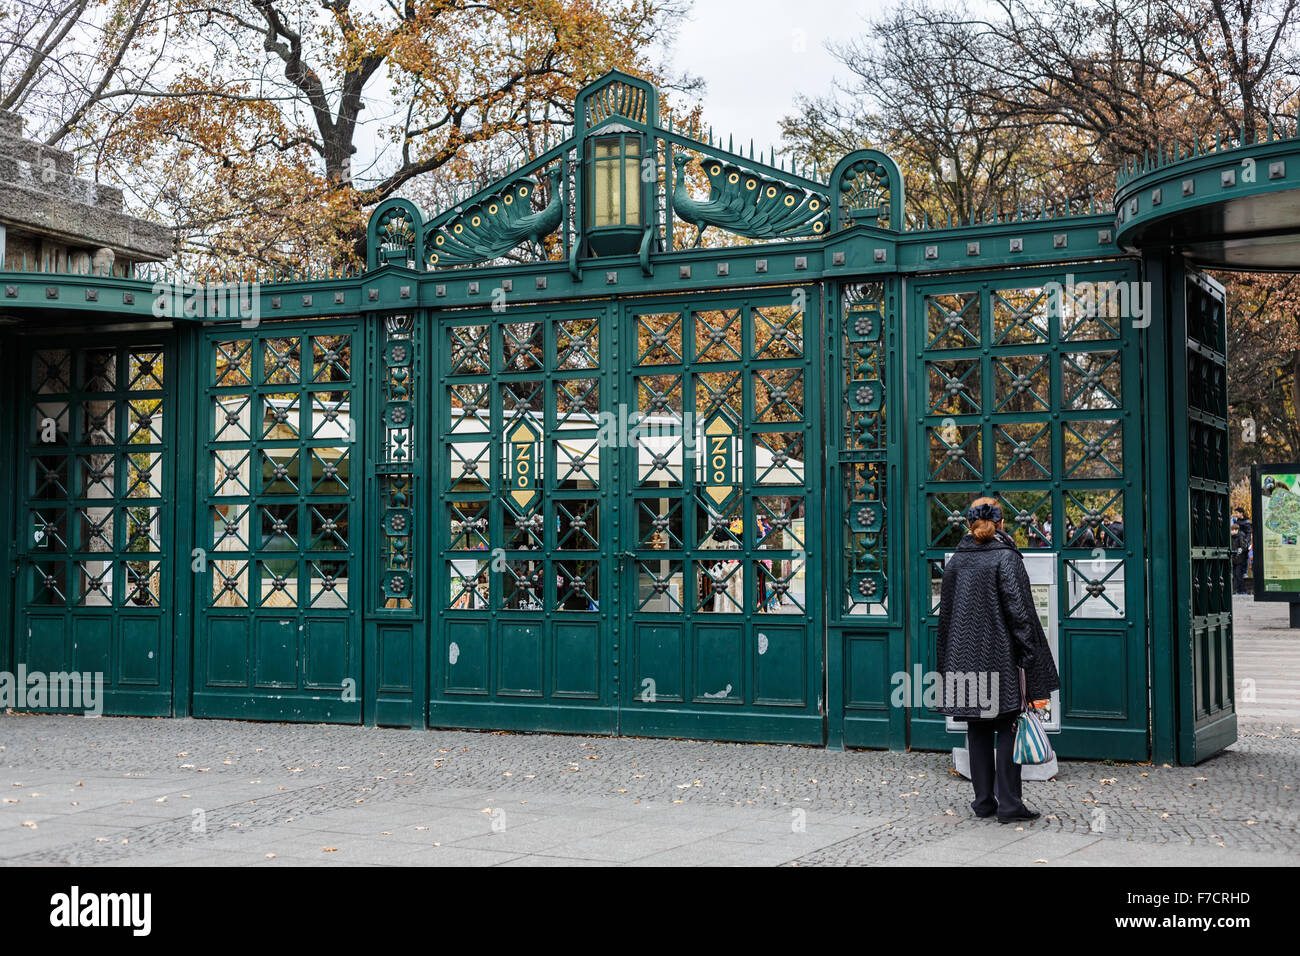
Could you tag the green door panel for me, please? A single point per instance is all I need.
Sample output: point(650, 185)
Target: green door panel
point(94, 506)
point(1025, 391)
point(720, 545)
point(1206, 692)
point(278, 632)
point(523, 636)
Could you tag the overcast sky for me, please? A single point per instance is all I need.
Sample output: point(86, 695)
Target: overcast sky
point(757, 55)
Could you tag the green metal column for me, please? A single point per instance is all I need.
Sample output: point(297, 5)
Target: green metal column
point(865, 492)
point(9, 427)
point(1162, 274)
point(1202, 631)
point(396, 596)
point(185, 494)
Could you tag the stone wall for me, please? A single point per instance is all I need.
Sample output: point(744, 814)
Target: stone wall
point(55, 221)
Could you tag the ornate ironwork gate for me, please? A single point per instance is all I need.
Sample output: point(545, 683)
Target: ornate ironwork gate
point(525, 637)
point(1024, 387)
point(720, 542)
point(278, 610)
point(609, 446)
point(95, 527)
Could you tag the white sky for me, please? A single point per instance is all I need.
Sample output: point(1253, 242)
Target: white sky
point(757, 55)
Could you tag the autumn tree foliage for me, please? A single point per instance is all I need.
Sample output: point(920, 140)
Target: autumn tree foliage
point(265, 129)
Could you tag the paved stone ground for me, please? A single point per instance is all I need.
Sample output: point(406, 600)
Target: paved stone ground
point(156, 792)
point(1266, 651)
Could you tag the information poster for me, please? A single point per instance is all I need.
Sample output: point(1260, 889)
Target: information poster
point(1275, 490)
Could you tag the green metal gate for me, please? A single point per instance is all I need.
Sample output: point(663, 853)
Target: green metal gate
point(278, 619)
point(524, 637)
point(1201, 481)
point(1024, 387)
point(720, 546)
point(592, 575)
point(94, 547)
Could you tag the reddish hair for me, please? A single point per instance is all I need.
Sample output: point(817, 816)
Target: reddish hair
point(982, 528)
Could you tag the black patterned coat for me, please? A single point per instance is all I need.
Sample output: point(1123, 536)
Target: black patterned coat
point(988, 623)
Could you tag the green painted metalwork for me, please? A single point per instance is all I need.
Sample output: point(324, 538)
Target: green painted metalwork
point(395, 234)
point(1208, 722)
point(867, 188)
point(868, 582)
point(860, 382)
point(396, 645)
point(523, 634)
point(95, 521)
point(722, 572)
point(748, 204)
point(1024, 386)
point(278, 624)
point(496, 224)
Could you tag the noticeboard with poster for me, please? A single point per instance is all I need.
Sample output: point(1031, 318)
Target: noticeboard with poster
point(1275, 500)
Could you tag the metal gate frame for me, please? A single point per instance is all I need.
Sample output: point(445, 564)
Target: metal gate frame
point(687, 672)
point(837, 232)
point(130, 657)
point(312, 649)
point(1101, 715)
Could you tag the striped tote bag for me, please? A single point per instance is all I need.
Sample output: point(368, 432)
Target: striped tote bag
point(1031, 740)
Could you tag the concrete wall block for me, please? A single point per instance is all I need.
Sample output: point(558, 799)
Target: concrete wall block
point(11, 124)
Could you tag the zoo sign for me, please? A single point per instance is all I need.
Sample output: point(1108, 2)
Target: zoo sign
point(525, 441)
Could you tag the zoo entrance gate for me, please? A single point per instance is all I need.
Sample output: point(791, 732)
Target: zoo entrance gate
point(700, 492)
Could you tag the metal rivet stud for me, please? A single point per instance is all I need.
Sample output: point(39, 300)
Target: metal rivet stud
point(760, 265)
point(724, 268)
point(932, 252)
point(1103, 237)
point(92, 295)
point(404, 292)
point(1228, 177)
point(1277, 170)
point(1189, 186)
point(372, 295)
point(51, 292)
point(972, 248)
point(683, 272)
point(338, 298)
point(440, 291)
point(837, 258)
point(275, 302)
point(507, 285)
point(306, 301)
point(1017, 245)
point(880, 255)
point(1157, 196)
point(128, 298)
point(541, 282)
point(801, 262)
point(611, 278)
point(1059, 240)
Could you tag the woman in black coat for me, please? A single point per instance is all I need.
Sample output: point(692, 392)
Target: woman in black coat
point(988, 630)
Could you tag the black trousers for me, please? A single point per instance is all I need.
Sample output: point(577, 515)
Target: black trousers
point(994, 791)
point(1238, 577)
